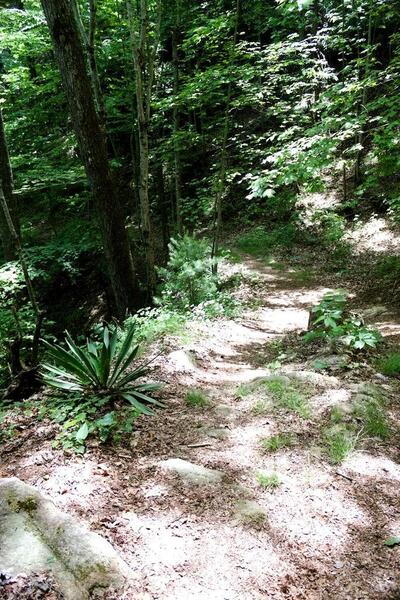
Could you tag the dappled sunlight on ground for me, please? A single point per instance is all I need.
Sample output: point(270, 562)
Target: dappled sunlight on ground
point(318, 534)
point(375, 235)
point(379, 466)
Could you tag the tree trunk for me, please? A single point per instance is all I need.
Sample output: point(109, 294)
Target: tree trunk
point(6, 181)
point(220, 187)
point(93, 62)
point(143, 61)
point(177, 154)
point(70, 54)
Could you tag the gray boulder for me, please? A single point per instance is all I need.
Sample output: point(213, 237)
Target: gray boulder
point(35, 537)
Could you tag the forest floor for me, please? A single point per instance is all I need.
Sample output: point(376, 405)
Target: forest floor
point(314, 530)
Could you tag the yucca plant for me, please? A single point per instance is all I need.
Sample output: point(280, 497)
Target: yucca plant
point(101, 370)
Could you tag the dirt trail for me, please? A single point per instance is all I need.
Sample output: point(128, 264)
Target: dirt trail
point(318, 535)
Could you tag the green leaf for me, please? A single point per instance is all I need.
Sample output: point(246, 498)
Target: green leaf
point(82, 432)
point(392, 541)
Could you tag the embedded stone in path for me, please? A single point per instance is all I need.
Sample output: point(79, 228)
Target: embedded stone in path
point(36, 537)
point(191, 472)
point(250, 513)
point(223, 410)
point(181, 361)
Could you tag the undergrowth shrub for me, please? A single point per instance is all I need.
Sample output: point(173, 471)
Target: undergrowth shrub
point(97, 379)
point(331, 319)
point(17, 318)
point(188, 282)
point(330, 230)
point(80, 420)
point(388, 271)
point(390, 364)
point(259, 241)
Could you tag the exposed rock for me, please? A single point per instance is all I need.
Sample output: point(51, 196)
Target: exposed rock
point(333, 362)
point(373, 312)
point(218, 433)
point(283, 379)
point(191, 472)
point(37, 537)
point(223, 410)
point(368, 391)
point(181, 361)
point(250, 513)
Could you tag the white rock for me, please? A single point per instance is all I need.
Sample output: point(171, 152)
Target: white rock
point(191, 472)
point(181, 361)
point(36, 536)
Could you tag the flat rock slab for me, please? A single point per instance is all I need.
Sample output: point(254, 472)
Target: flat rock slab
point(181, 361)
point(250, 513)
point(36, 537)
point(191, 472)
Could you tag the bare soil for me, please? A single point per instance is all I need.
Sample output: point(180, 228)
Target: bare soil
point(324, 528)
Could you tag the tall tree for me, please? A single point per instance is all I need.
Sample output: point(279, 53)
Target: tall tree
point(144, 50)
point(6, 181)
point(221, 180)
point(176, 116)
point(70, 54)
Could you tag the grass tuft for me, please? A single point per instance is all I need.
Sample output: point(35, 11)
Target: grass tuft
point(276, 442)
point(288, 396)
point(340, 443)
point(389, 365)
point(197, 398)
point(261, 407)
point(374, 419)
point(243, 390)
point(337, 415)
point(268, 480)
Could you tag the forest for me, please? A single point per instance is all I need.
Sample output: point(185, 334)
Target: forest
point(199, 317)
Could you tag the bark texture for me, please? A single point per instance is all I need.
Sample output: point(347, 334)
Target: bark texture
point(6, 181)
point(70, 53)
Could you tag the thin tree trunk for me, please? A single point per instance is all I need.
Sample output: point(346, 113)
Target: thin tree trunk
point(143, 60)
point(163, 207)
point(176, 121)
point(91, 46)
point(363, 109)
point(18, 249)
point(224, 155)
point(70, 54)
point(6, 180)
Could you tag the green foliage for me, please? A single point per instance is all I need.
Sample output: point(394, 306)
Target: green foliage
point(261, 407)
point(197, 398)
point(276, 442)
point(90, 418)
point(340, 442)
point(371, 412)
point(187, 279)
point(153, 323)
point(101, 370)
point(189, 284)
point(388, 271)
point(7, 429)
point(268, 480)
point(330, 231)
point(289, 396)
point(331, 319)
point(259, 241)
point(390, 364)
point(329, 312)
point(392, 541)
